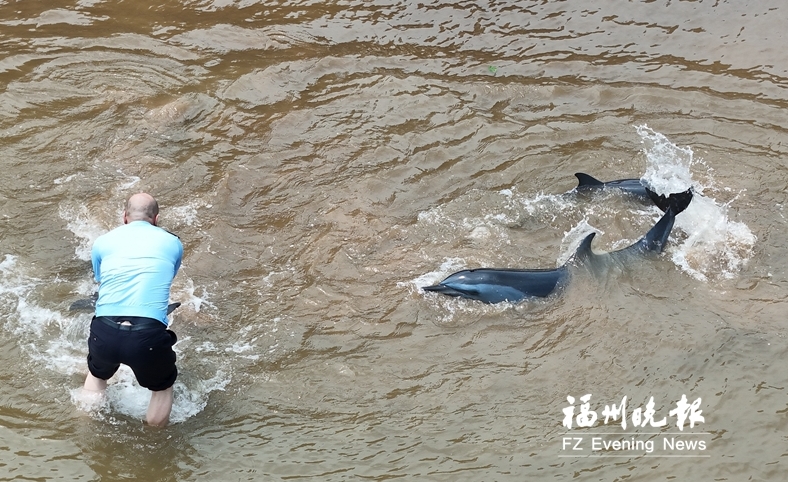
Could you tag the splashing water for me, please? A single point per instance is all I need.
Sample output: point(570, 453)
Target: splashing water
point(125, 396)
point(669, 165)
point(714, 247)
point(83, 227)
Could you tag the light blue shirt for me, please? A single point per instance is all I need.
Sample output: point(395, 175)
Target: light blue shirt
point(134, 265)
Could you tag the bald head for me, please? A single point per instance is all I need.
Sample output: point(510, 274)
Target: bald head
point(141, 207)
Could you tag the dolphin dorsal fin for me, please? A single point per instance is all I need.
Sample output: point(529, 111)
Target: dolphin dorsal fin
point(585, 180)
point(584, 250)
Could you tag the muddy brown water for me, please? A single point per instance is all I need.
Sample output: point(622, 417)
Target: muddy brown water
point(322, 161)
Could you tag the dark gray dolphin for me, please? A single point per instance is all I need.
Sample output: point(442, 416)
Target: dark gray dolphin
point(513, 285)
point(492, 285)
point(635, 187)
point(89, 304)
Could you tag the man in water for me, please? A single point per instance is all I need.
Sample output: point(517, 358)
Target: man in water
point(134, 265)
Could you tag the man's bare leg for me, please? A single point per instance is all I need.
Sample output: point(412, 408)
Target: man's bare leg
point(94, 385)
point(160, 407)
point(93, 393)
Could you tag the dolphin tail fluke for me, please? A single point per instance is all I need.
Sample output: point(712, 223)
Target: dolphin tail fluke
point(657, 237)
point(585, 180)
point(678, 201)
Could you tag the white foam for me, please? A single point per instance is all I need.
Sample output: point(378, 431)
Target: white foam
point(85, 228)
point(448, 266)
point(715, 246)
point(192, 299)
point(245, 350)
point(125, 396)
point(44, 335)
point(191, 401)
point(186, 214)
point(553, 205)
point(12, 283)
point(445, 224)
point(64, 180)
point(130, 182)
point(89, 402)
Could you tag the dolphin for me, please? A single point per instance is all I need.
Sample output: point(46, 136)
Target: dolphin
point(491, 285)
point(89, 304)
point(635, 187)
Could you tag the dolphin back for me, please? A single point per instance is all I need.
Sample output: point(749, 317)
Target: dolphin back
point(496, 285)
point(586, 182)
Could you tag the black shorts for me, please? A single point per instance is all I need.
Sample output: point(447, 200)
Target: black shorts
point(146, 347)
